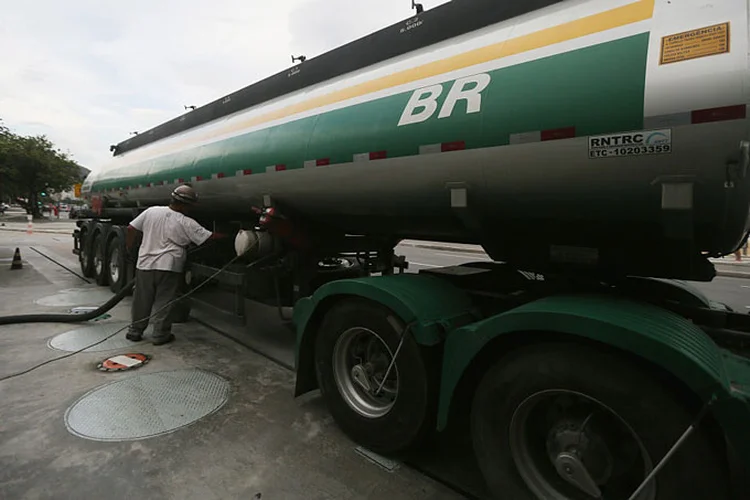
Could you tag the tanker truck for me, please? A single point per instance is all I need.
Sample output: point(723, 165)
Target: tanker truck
point(597, 150)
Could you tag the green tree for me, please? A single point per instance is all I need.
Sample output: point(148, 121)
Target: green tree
point(7, 142)
point(31, 167)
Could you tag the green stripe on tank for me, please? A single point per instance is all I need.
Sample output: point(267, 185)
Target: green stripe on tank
point(598, 90)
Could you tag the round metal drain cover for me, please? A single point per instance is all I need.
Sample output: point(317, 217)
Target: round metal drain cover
point(75, 340)
point(145, 406)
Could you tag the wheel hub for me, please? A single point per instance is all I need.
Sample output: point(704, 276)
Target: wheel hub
point(360, 376)
point(573, 471)
point(573, 445)
point(360, 361)
point(114, 268)
point(569, 446)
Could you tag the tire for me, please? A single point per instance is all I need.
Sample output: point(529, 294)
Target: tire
point(116, 269)
point(409, 418)
point(99, 258)
point(85, 257)
point(652, 410)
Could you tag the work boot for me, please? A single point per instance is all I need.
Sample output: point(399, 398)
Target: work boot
point(163, 339)
point(134, 336)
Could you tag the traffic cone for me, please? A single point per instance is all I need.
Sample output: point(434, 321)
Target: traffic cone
point(17, 263)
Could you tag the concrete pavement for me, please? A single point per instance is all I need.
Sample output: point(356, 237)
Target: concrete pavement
point(260, 443)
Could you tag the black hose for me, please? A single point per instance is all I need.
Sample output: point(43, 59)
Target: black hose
point(69, 318)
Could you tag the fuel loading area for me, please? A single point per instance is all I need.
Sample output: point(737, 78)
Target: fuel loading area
point(209, 416)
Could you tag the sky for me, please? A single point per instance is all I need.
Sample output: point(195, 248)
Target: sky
point(86, 73)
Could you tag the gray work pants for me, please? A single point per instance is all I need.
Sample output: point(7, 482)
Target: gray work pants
point(154, 289)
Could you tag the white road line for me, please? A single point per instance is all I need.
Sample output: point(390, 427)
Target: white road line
point(429, 265)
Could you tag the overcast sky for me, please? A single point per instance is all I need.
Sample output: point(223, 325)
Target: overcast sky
point(88, 72)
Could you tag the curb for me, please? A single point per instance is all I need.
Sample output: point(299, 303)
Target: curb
point(732, 274)
point(445, 248)
point(49, 231)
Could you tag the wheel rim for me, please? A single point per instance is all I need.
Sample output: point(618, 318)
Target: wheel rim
point(567, 445)
point(114, 267)
point(360, 361)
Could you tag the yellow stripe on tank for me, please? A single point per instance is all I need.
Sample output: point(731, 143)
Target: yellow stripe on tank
point(621, 16)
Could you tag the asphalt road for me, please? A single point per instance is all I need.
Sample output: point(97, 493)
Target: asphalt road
point(735, 292)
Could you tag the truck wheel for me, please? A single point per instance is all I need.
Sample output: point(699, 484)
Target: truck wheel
point(569, 421)
point(353, 350)
point(99, 257)
point(84, 257)
point(116, 265)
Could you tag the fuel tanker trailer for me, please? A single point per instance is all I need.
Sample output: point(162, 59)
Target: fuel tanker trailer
point(598, 151)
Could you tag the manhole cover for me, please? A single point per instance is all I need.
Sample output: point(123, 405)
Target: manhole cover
point(145, 406)
point(75, 297)
point(75, 340)
point(123, 362)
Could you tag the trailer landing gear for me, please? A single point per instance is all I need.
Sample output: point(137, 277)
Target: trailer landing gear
point(562, 421)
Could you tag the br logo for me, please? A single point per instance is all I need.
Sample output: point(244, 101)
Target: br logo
point(424, 102)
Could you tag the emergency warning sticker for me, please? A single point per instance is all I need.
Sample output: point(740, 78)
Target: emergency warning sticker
point(708, 41)
point(646, 142)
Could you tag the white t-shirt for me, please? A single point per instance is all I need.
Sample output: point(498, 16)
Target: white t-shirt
point(166, 234)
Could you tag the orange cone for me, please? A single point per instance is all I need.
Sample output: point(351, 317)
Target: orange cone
point(17, 263)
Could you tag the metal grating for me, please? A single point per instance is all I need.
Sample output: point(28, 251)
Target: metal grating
point(79, 338)
point(146, 406)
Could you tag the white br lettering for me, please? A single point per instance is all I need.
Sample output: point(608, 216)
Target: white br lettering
point(472, 96)
point(424, 102)
point(425, 98)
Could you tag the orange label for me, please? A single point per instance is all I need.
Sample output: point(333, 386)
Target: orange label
point(703, 42)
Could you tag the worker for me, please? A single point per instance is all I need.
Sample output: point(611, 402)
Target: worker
point(166, 233)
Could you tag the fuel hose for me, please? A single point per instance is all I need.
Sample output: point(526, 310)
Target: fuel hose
point(69, 318)
point(116, 299)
